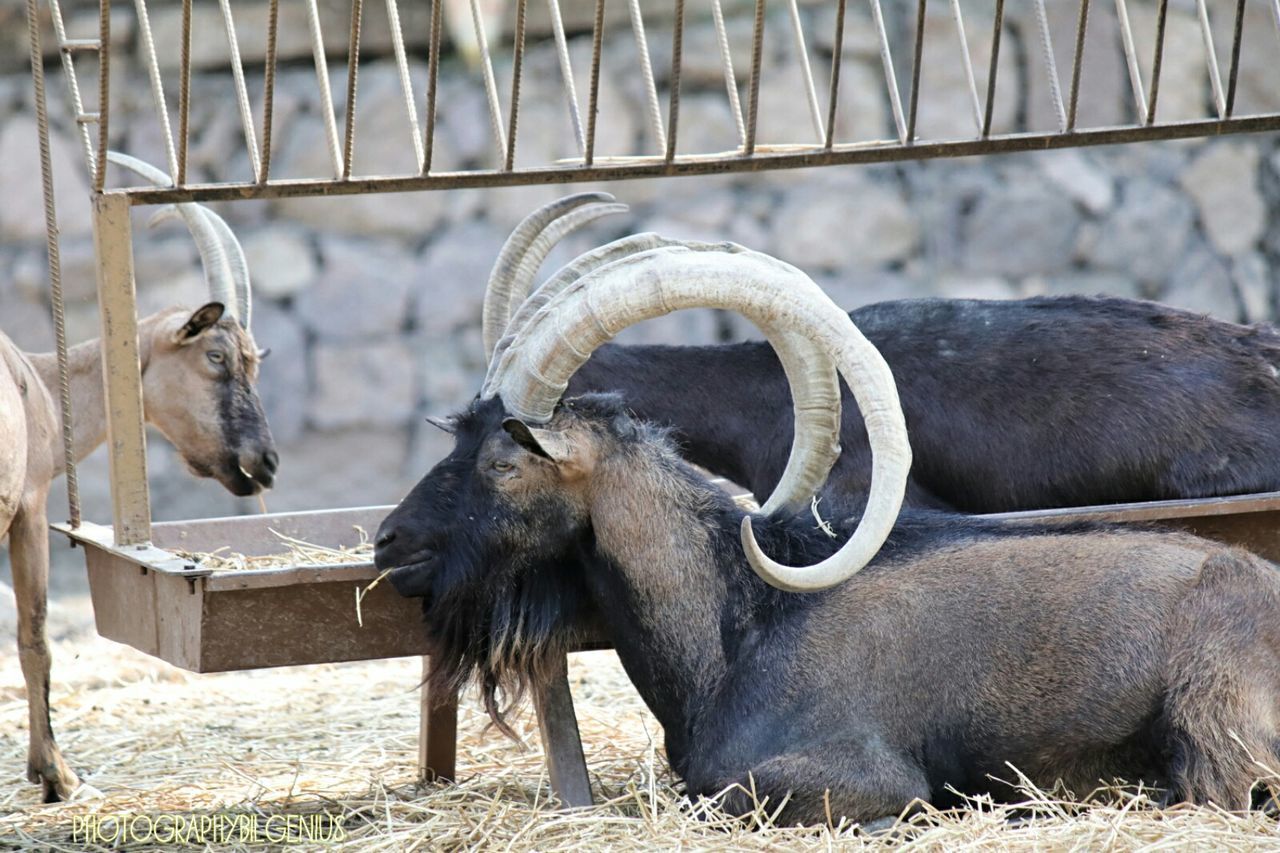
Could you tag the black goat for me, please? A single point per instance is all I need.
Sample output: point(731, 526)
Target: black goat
point(1081, 655)
point(1076, 654)
point(1023, 404)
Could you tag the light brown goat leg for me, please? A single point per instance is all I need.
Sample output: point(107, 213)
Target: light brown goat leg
point(29, 555)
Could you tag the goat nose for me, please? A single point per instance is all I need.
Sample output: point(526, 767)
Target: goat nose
point(385, 538)
point(271, 461)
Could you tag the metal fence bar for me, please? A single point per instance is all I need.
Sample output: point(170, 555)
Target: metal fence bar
point(433, 77)
point(646, 74)
point(995, 68)
point(968, 64)
point(327, 112)
point(837, 56)
point(269, 87)
point(566, 72)
point(1050, 64)
point(890, 79)
point(802, 53)
point(593, 97)
point(629, 168)
point(184, 97)
point(1236, 37)
point(1131, 57)
point(753, 89)
point(1082, 24)
point(104, 93)
point(1211, 57)
point(677, 61)
point(242, 91)
point(490, 83)
point(916, 60)
point(731, 79)
point(406, 85)
point(517, 67)
point(73, 87)
point(157, 85)
point(55, 261)
point(353, 77)
point(1157, 61)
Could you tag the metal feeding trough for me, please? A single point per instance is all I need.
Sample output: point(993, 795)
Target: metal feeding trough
point(151, 598)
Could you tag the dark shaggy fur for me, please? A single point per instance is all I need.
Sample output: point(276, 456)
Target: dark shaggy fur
point(1023, 404)
point(1079, 654)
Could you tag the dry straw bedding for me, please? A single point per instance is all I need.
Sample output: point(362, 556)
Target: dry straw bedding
point(342, 738)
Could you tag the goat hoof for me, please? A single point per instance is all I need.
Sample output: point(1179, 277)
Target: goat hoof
point(57, 784)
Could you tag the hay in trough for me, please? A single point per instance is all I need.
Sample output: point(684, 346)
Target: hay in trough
point(294, 553)
point(342, 739)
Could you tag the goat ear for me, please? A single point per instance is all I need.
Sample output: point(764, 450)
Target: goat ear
point(204, 317)
point(540, 442)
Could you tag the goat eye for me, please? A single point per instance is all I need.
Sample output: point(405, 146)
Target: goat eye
point(216, 357)
point(502, 466)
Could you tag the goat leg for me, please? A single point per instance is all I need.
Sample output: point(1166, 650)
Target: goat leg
point(29, 553)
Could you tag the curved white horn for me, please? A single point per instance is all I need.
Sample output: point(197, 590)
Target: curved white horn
point(772, 294)
point(497, 294)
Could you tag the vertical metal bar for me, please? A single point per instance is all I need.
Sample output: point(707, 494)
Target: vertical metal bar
point(1050, 64)
point(1131, 57)
point(437, 732)
point(269, 88)
point(55, 259)
point(121, 369)
point(1236, 37)
point(433, 77)
point(1211, 59)
point(806, 71)
point(646, 73)
point(995, 67)
point(1076, 65)
point(490, 84)
point(157, 86)
point(104, 93)
point(593, 97)
point(730, 79)
point(916, 59)
point(353, 73)
point(1157, 61)
point(836, 57)
point(73, 86)
point(322, 83)
point(242, 91)
point(753, 94)
point(517, 65)
point(566, 72)
point(184, 96)
point(406, 85)
point(677, 59)
point(890, 77)
point(967, 62)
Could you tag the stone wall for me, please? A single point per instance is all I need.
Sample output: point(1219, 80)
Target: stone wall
point(371, 305)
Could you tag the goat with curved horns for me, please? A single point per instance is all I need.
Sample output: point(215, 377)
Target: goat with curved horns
point(1018, 404)
point(199, 371)
point(1075, 654)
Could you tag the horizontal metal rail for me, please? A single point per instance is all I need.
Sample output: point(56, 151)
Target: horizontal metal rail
point(628, 168)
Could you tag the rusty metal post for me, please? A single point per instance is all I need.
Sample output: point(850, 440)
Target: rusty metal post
point(437, 732)
point(121, 369)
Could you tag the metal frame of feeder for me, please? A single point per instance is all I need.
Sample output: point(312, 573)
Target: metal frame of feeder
point(133, 538)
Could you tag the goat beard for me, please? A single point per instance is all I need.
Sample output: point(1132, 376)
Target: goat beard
point(508, 638)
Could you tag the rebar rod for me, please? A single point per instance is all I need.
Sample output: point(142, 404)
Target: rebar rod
point(646, 75)
point(327, 112)
point(157, 85)
point(1077, 61)
point(269, 88)
point(994, 70)
point(73, 86)
point(967, 62)
point(837, 56)
point(916, 60)
point(1050, 64)
point(753, 89)
point(1157, 62)
point(242, 91)
point(806, 71)
point(184, 96)
point(490, 82)
point(406, 85)
point(353, 77)
point(890, 78)
point(433, 77)
point(726, 62)
point(104, 93)
point(1233, 76)
point(1131, 57)
point(517, 67)
point(593, 96)
point(1211, 59)
point(677, 63)
point(55, 261)
point(566, 72)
